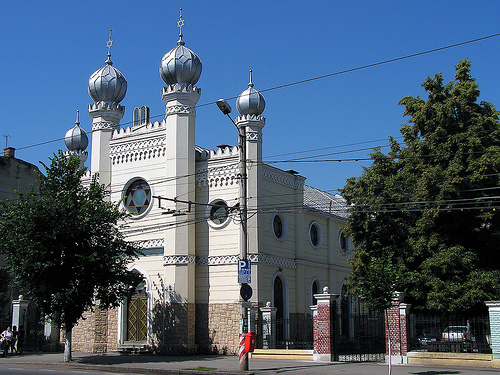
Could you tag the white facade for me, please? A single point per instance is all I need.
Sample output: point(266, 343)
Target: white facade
point(191, 249)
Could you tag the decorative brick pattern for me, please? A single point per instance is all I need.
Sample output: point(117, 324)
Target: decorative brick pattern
point(396, 327)
point(323, 329)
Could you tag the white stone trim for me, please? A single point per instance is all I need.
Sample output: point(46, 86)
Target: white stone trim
point(178, 108)
point(138, 150)
point(283, 178)
point(217, 260)
point(169, 260)
point(254, 258)
point(150, 244)
point(217, 176)
point(104, 125)
point(254, 136)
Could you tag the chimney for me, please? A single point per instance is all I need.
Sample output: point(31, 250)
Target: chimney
point(8, 152)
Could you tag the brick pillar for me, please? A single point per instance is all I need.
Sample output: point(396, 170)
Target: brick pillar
point(494, 313)
point(324, 327)
point(396, 329)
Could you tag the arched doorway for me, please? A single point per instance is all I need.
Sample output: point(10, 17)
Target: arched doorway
point(137, 314)
point(280, 301)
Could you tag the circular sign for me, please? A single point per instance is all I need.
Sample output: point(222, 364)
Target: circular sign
point(245, 292)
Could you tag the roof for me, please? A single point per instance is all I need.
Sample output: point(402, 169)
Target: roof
point(333, 204)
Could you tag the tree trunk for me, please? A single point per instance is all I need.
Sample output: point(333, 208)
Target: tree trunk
point(67, 346)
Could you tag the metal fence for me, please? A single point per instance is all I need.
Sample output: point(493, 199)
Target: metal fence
point(449, 334)
point(360, 334)
point(293, 333)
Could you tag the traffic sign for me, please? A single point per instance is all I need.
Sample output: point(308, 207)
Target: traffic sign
point(246, 292)
point(244, 272)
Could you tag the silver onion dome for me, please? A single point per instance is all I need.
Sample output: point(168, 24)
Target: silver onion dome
point(250, 101)
point(180, 64)
point(76, 138)
point(108, 83)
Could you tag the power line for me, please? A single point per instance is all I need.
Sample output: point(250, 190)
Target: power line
point(362, 67)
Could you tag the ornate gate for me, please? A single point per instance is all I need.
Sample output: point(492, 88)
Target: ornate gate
point(359, 332)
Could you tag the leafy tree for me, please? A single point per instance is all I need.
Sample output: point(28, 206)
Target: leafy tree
point(424, 216)
point(64, 248)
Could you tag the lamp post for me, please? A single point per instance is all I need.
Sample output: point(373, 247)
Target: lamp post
point(226, 109)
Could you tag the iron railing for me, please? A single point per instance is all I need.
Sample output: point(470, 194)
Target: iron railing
point(443, 333)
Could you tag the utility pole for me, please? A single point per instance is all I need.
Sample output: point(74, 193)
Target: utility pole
point(226, 109)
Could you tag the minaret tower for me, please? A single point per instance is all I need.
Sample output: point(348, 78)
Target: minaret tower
point(250, 105)
point(107, 88)
point(180, 69)
point(76, 141)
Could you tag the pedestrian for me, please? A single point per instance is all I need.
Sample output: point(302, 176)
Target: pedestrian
point(13, 340)
point(20, 339)
point(5, 338)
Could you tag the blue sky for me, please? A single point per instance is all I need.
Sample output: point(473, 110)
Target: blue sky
point(50, 49)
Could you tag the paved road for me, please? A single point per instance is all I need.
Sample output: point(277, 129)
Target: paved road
point(85, 363)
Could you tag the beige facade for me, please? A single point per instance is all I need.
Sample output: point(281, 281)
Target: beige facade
point(183, 201)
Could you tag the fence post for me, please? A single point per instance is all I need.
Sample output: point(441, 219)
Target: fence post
point(269, 326)
point(396, 330)
point(324, 327)
point(494, 315)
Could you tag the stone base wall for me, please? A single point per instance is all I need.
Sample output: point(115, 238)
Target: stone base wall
point(174, 328)
point(178, 328)
point(96, 332)
point(217, 327)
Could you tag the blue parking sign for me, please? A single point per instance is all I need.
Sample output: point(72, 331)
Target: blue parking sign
point(244, 272)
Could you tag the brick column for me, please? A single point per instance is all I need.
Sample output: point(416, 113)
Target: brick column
point(494, 313)
point(324, 327)
point(396, 329)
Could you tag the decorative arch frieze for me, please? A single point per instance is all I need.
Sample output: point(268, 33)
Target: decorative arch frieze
point(283, 178)
point(217, 176)
point(137, 150)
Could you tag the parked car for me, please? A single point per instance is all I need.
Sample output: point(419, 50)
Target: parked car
point(459, 334)
point(428, 337)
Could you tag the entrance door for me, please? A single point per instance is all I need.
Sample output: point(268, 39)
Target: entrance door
point(137, 324)
point(280, 316)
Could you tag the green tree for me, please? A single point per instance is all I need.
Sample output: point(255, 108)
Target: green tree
point(63, 246)
point(424, 216)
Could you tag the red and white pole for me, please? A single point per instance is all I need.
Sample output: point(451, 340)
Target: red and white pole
point(243, 354)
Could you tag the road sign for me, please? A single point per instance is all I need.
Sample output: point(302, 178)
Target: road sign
point(244, 272)
point(246, 292)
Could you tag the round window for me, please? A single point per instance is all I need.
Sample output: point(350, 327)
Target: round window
point(138, 197)
point(279, 226)
point(219, 212)
point(315, 234)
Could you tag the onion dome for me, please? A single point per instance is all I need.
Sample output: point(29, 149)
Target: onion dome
point(250, 101)
point(108, 83)
point(180, 64)
point(76, 138)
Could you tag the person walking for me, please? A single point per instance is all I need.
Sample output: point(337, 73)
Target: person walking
point(20, 340)
point(5, 339)
point(13, 340)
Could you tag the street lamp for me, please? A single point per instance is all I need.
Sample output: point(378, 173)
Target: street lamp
point(226, 109)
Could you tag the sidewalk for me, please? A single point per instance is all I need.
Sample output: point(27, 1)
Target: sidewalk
point(147, 364)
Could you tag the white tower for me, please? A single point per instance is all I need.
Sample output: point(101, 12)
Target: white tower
point(107, 88)
point(180, 69)
point(76, 141)
point(250, 105)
